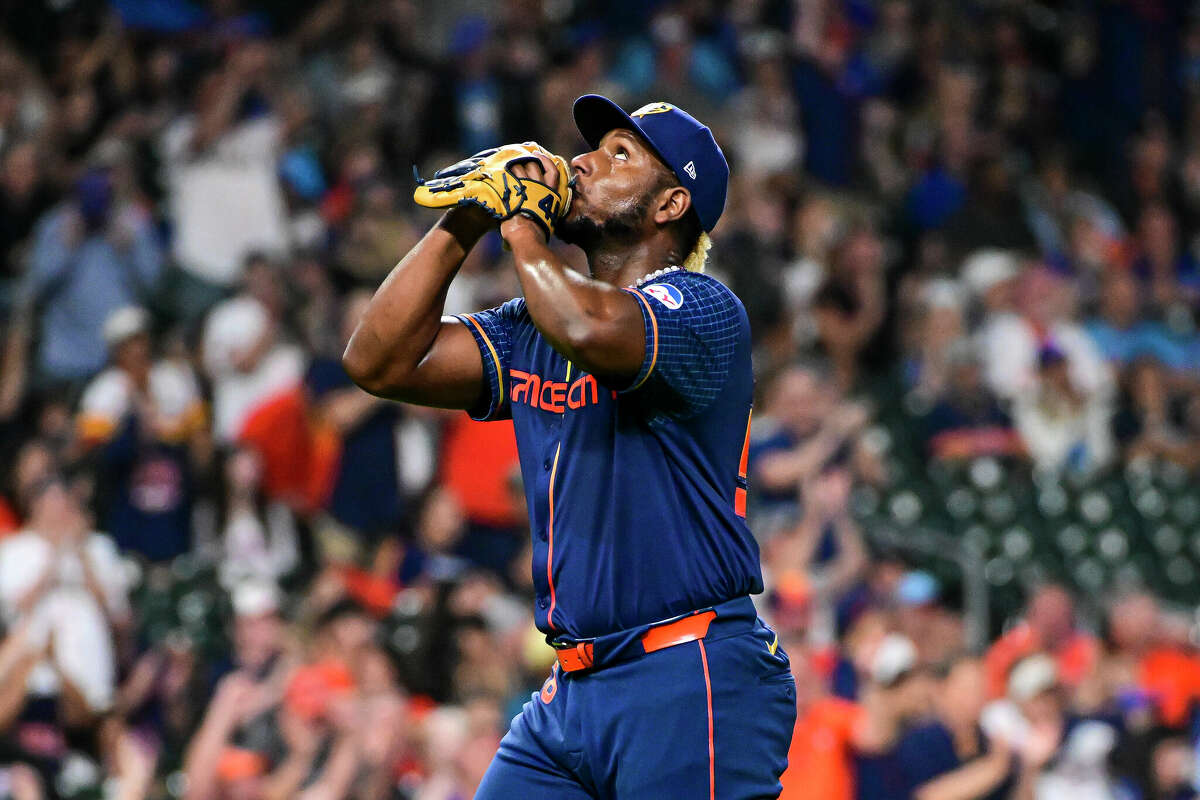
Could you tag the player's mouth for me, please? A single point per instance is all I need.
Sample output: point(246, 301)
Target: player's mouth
point(576, 193)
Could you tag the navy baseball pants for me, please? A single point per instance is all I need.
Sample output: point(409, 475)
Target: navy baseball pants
point(710, 718)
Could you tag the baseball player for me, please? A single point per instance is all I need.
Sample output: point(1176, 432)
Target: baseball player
point(630, 391)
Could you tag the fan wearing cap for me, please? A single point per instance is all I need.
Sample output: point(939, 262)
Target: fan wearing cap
point(140, 420)
point(629, 388)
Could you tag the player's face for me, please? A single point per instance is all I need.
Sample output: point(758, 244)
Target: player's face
point(614, 188)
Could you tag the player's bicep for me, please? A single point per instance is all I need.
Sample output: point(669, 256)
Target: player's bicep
point(451, 375)
point(612, 351)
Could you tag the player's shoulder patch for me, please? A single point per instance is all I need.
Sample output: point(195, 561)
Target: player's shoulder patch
point(666, 294)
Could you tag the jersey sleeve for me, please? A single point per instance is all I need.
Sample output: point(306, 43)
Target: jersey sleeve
point(102, 406)
point(692, 324)
point(492, 330)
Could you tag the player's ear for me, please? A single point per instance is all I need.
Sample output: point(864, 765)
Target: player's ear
point(673, 203)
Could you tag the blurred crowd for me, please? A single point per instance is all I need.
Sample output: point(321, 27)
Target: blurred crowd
point(225, 572)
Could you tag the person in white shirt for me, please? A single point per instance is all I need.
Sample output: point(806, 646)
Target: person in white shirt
point(166, 390)
point(224, 191)
point(69, 585)
point(1063, 428)
point(1022, 309)
point(244, 354)
point(258, 537)
point(257, 381)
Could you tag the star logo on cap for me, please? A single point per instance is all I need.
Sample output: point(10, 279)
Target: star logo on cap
point(652, 108)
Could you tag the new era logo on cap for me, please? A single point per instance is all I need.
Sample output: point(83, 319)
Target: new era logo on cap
point(690, 169)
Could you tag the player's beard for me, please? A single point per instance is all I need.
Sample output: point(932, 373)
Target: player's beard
point(622, 225)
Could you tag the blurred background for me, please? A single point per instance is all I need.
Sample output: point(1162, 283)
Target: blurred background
point(966, 234)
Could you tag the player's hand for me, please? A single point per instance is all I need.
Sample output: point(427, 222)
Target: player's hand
point(543, 170)
point(472, 220)
point(505, 181)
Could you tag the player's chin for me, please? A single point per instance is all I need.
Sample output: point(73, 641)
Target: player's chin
point(574, 227)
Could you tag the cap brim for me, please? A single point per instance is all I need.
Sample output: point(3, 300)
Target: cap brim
point(596, 115)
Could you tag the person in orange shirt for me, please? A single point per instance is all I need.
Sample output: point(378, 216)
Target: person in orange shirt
point(1161, 661)
point(830, 731)
point(1049, 627)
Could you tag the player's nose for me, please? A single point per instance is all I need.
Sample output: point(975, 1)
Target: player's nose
point(582, 164)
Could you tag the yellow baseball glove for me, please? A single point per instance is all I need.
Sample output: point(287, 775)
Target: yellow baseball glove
point(484, 180)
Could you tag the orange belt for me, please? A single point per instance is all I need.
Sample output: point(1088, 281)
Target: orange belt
point(573, 657)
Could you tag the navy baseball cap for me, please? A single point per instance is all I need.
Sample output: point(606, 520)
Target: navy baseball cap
point(678, 138)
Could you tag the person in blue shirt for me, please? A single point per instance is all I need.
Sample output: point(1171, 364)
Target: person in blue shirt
point(90, 256)
point(1123, 337)
point(630, 392)
point(366, 489)
point(950, 756)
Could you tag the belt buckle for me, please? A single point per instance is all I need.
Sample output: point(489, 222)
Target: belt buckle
point(574, 656)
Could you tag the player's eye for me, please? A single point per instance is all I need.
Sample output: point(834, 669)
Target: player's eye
point(622, 154)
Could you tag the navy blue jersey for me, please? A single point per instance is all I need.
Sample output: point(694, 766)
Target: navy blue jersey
point(636, 493)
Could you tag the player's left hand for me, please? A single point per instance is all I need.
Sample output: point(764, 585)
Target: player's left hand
point(542, 169)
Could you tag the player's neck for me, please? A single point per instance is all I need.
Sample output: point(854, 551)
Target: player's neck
point(623, 264)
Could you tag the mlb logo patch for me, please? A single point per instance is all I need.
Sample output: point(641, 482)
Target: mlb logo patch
point(666, 294)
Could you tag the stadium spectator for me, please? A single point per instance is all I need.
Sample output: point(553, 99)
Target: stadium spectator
point(90, 256)
point(967, 420)
point(796, 557)
point(25, 194)
point(141, 419)
point(833, 734)
point(1168, 274)
point(849, 306)
point(224, 193)
point(257, 376)
point(936, 324)
point(1154, 658)
point(1060, 754)
point(1123, 335)
point(240, 730)
point(1048, 626)
point(258, 536)
point(1064, 429)
point(950, 756)
point(63, 594)
point(1150, 422)
point(802, 431)
point(366, 496)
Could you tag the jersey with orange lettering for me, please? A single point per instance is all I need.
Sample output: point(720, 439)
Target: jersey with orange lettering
point(636, 493)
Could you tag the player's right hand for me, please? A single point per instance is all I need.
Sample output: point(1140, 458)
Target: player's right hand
point(504, 181)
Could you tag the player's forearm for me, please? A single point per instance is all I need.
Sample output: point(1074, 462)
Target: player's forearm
point(403, 318)
point(592, 324)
